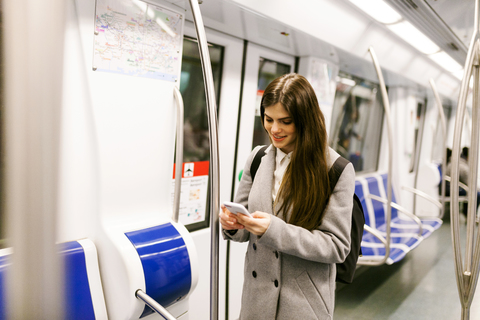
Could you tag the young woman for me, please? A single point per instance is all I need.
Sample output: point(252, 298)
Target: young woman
point(299, 229)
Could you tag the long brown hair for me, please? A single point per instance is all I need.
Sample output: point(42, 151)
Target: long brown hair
point(305, 186)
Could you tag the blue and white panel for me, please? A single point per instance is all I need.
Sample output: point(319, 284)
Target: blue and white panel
point(166, 263)
point(83, 288)
point(4, 263)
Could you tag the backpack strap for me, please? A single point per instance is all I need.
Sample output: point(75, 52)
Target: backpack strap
point(336, 171)
point(256, 161)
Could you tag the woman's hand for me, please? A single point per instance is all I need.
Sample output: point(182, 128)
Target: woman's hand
point(256, 225)
point(228, 220)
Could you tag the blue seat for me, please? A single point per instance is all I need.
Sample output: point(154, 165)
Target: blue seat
point(404, 230)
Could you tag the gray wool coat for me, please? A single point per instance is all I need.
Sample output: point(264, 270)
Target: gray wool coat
point(290, 271)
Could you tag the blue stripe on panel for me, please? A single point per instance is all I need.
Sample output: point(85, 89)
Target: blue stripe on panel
point(3, 269)
point(165, 261)
point(78, 299)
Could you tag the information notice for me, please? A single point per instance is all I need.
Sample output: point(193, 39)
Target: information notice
point(193, 198)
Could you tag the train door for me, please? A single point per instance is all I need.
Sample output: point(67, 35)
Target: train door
point(226, 58)
point(432, 154)
point(262, 65)
point(408, 110)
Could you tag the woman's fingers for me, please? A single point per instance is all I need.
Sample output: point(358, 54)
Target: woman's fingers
point(256, 225)
point(228, 220)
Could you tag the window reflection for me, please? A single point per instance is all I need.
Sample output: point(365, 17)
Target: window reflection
point(196, 140)
point(356, 122)
point(267, 72)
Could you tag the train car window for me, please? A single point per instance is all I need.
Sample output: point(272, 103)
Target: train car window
point(418, 123)
point(357, 120)
point(194, 211)
point(267, 72)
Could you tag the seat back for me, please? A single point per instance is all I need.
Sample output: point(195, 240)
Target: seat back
point(375, 211)
point(361, 196)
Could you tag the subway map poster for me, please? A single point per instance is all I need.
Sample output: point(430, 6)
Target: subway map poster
point(138, 39)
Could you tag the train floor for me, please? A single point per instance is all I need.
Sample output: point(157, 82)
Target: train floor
point(421, 286)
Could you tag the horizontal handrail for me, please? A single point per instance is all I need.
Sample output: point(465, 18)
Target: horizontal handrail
point(157, 307)
point(424, 195)
point(460, 184)
point(379, 236)
point(401, 209)
point(375, 233)
point(460, 199)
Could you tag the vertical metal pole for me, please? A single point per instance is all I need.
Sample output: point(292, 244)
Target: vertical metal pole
point(443, 124)
point(178, 155)
point(418, 151)
point(467, 275)
point(33, 100)
point(386, 106)
point(214, 159)
point(472, 184)
point(473, 160)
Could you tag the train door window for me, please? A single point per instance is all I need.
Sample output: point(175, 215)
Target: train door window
point(196, 146)
point(267, 72)
point(194, 211)
point(357, 119)
point(417, 120)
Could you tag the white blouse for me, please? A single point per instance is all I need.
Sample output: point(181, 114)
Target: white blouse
point(281, 163)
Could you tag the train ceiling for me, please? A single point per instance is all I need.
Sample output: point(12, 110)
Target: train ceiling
point(338, 31)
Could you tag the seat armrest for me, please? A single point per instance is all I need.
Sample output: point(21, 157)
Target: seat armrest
point(401, 209)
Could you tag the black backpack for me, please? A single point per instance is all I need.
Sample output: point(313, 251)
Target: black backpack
point(345, 270)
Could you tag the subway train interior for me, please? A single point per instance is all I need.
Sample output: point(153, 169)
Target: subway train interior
point(125, 124)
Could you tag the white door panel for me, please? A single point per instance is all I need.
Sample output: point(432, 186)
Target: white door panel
point(247, 120)
point(228, 114)
point(254, 53)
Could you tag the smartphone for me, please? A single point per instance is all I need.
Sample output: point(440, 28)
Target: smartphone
point(236, 208)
